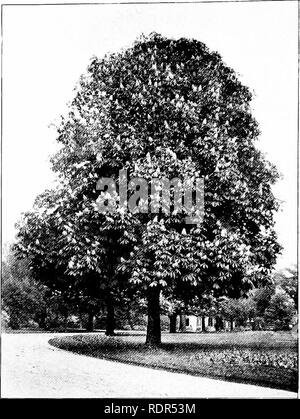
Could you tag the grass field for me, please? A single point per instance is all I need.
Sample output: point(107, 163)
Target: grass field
point(263, 358)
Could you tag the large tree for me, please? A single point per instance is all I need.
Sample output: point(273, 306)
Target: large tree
point(170, 108)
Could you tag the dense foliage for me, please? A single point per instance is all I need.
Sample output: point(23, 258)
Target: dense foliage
point(164, 108)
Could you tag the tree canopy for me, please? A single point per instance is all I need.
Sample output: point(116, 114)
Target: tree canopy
point(165, 108)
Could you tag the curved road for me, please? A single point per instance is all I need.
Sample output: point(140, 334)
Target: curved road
point(31, 368)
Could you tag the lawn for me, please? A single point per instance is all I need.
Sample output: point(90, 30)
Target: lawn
point(262, 358)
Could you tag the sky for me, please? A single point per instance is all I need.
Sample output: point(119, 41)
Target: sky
point(47, 48)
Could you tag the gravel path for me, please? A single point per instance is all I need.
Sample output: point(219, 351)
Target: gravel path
point(31, 368)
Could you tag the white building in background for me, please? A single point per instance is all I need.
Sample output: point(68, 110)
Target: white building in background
point(205, 324)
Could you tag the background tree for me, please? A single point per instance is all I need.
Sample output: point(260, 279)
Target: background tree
point(73, 252)
point(287, 280)
point(172, 307)
point(39, 239)
point(239, 310)
point(22, 298)
point(227, 310)
point(281, 311)
point(262, 297)
point(29, 302)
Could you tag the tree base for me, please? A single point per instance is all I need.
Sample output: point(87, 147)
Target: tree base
point(110, 334)
point(153, 327)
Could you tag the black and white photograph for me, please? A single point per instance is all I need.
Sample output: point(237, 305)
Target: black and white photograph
point(149, 202)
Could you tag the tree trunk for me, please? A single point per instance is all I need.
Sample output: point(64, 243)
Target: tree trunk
point(110, 316)
point(231, 325)
point(90, 325)
point(203, 323)
point(80, 321)
point(173, 318)
point(219, 324)
point(182, 325)
point(129, 317)
point(66, 322)
point(42, 320)
point(153, 327)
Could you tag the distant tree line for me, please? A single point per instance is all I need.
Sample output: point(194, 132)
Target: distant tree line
point(28, 303)
point(273, 306)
